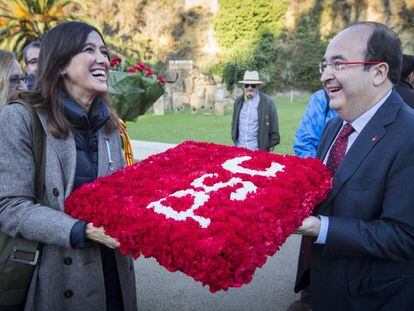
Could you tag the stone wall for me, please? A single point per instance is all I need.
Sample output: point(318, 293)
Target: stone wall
point(196, 91)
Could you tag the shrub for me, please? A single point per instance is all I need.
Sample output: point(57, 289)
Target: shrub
point(242, 20)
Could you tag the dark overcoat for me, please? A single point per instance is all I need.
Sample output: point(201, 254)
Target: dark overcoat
point(367, 262)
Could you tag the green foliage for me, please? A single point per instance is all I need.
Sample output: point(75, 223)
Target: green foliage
point(262, 59)
point(23, 21)
point(244, 20)
point(285, 59)
point(233, 72)
point(265, 51)
point(304, 49)
point(250, 30)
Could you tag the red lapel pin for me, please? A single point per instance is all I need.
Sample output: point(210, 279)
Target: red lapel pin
point(374, 138)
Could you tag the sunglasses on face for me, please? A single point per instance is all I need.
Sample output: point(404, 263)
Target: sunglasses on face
point(253, 86)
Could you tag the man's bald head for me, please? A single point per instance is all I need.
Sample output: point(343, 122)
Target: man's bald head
point(383, 45)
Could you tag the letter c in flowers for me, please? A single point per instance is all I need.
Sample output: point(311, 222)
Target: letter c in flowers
point(201, 197)
point(233, 166)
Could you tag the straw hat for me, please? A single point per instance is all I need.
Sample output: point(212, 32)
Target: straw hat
point(251, 77)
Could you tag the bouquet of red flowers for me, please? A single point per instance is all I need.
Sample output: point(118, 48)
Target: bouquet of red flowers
point(133, 88)
point(213, 212)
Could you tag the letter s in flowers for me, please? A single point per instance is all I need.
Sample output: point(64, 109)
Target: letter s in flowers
point(201, 197)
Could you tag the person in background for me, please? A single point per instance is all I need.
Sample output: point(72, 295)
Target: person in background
point(6, 61)
point(254, 123)
point(31, 59)
point(404, 87)
point(310, 129)
point(80, 267)
point(11, 76)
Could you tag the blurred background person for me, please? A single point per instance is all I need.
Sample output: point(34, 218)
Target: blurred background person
point(6, 61)
point(310, 129)
point(11, 76)
point(31, 59)
point(254, 124)
point(404, 87)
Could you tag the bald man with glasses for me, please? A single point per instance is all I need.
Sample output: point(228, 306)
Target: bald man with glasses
point(357, 250)
point(255, 123)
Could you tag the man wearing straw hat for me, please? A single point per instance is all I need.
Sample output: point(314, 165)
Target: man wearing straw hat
point(254, 124)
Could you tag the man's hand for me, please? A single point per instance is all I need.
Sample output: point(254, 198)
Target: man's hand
point(310, 227)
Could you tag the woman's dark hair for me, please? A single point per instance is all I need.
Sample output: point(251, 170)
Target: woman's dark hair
point(59, 45)
point(383, 46)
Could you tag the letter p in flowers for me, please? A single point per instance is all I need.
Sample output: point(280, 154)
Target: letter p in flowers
point(201, 197)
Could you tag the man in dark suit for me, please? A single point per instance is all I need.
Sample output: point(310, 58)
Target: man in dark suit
point(357, 252)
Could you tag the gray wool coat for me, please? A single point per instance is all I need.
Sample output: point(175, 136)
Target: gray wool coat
point(65, 278)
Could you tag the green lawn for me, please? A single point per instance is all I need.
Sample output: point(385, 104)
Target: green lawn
point(176, 127)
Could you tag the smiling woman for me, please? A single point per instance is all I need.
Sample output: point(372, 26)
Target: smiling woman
point(86, 74)
point(80, 267)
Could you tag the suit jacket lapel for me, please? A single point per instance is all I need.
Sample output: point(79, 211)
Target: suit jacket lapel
point(328, 138)
point(66, 152)
point(365, 142)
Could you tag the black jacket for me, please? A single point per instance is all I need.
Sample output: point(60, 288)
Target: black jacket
point(85, 131)
point(406, 91)
point(268, 133)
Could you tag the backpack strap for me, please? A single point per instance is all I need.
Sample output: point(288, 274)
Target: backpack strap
point(19, 256)
point(25, 251)
point(38, 148)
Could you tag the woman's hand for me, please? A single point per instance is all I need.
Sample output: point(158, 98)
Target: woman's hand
point(98, 235)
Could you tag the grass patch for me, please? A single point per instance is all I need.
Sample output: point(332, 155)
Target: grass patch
point(176, 127)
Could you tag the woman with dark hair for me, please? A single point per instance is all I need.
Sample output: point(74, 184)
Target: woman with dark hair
point(79, 266)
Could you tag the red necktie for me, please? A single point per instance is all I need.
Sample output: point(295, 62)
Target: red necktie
point(335, 157)
point(338, 149)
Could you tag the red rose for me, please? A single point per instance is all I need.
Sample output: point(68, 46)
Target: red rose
point(115, 61)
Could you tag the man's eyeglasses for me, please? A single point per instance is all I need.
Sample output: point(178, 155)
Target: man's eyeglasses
point(338, 66)
point(17, 79)
point(253, 86)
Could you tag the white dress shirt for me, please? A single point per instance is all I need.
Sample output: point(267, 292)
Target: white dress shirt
point(358, 125)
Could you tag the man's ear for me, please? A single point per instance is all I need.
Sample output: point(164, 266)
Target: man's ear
point(380, 73)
